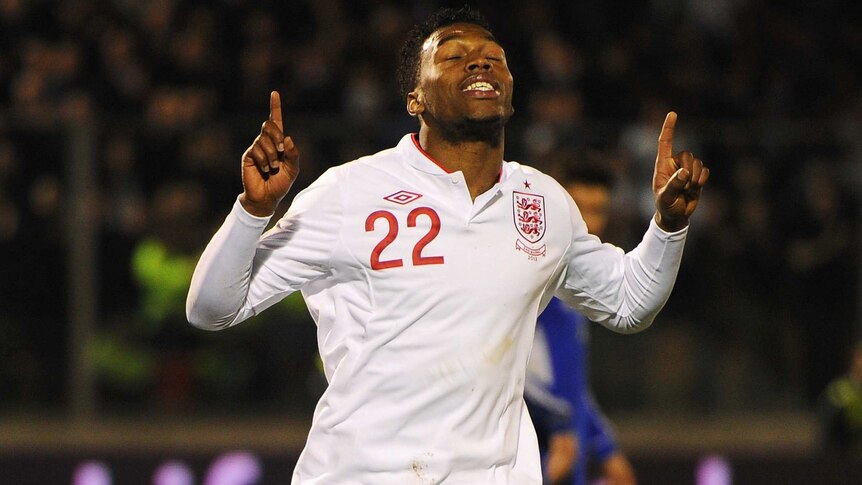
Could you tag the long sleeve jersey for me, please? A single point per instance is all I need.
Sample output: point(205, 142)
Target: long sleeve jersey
point(425, 302)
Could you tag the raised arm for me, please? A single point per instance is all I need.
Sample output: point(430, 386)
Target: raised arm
point(625, 292)
point(219, 291)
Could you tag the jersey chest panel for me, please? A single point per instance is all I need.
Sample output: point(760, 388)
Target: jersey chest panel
point(422, 246)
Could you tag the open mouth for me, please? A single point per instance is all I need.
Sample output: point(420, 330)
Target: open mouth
point(481, 88)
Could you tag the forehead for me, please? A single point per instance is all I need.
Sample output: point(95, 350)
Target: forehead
point(453, 32)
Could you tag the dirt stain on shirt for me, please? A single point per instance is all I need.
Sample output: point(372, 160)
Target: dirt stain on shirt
point(496, 354)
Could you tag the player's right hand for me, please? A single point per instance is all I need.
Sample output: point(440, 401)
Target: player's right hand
point(270, 165)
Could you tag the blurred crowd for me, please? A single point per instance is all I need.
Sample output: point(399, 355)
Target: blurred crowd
point(769, 94)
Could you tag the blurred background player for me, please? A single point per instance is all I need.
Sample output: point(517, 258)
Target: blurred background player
point(570, 426)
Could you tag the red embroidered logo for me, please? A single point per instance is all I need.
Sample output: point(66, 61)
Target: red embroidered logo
point(402, 197)
point(529, 213)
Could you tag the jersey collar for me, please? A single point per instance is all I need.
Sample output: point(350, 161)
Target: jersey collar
point(419, 159)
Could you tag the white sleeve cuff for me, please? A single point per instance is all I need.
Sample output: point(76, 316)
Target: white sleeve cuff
point(248, 219)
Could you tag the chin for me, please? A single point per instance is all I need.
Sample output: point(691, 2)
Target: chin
point(488, 129)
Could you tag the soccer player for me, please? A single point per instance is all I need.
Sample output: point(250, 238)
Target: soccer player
point(571, 428)
point(425, 267)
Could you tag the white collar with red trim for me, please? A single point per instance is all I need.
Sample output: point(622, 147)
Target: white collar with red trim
point(420, 159)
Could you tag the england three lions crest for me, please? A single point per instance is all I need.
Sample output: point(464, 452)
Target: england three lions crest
point(529, 213)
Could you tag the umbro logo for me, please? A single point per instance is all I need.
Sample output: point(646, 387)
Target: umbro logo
point(402, 197)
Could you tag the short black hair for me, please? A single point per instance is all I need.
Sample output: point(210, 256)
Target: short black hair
point(411, 50)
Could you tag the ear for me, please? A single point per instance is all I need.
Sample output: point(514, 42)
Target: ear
point(415, 102)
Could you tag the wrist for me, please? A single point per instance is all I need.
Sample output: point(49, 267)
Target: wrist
point(256, 209)
point(667, 224)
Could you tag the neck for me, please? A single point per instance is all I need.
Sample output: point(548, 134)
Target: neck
point(479, 161)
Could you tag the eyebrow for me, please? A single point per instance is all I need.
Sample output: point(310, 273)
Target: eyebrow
point(460, 33)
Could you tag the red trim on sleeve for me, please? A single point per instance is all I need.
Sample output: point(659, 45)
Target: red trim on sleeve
point(415, 139)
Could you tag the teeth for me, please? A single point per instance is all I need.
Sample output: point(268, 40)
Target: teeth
point(479, 86)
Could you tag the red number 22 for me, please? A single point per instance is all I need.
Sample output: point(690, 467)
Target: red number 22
point(418, 259)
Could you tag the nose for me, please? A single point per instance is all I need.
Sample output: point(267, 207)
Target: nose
point(479, 63)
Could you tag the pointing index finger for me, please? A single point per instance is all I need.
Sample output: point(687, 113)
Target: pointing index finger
point(275, 109)
point(665, 139)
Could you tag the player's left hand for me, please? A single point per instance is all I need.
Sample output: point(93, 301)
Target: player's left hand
point(677, 182)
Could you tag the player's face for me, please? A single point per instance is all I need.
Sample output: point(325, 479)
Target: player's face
point(594, 203)
point(463, 77)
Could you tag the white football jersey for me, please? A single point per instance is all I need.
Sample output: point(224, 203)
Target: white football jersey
point(426, 303)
